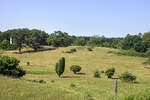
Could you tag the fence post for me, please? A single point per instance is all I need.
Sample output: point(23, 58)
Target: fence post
point(116, 87)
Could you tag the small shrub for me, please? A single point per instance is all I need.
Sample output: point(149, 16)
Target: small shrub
point(42, 81)
point(110, 52)
point(52, 81)
point(72, 85)
point(88, 97)
point(28, 63)
point(110, 72)
point(97, 74)
point(75, 68)
point(90, 49)
point(127, 77)
point(102, 71)
point(71, 50)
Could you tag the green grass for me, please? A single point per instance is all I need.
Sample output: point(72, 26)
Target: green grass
point(39, 72)
point(42, 65)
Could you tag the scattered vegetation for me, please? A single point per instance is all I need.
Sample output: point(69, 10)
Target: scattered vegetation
point(127, 77)
point(9, 66)
point(110, 72)
point(72, 85)
point(97, 74)
point(60, 66)
point(71, 50)
point(75, 68)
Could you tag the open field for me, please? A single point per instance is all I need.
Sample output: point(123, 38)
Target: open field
point(86, 86)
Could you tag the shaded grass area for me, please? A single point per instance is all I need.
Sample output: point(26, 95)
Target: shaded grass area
point(39, 72)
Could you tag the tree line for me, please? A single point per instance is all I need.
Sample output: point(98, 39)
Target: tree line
point(35, 38)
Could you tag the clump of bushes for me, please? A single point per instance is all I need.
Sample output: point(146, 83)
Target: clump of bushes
point(90, 49)
point(110, 72)
point(9, 66)
point(72, 85)
point(71, 50)
point(97, 74)
point(42, 81)
point(127, 77)
point(75, 68)
point(60, 66)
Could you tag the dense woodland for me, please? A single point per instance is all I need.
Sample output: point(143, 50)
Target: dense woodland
point(36, 39)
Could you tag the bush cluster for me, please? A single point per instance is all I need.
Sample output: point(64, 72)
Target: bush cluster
point(71, 50)
point(127, 77)
point(110, 72)
point(9, 66)
point(97, 74)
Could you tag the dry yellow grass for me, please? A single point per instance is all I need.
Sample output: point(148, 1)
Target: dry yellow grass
point(98, 88)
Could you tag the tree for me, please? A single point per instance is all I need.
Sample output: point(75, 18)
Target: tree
point(130, 41)
point(146, 39)
point(75, 68)
point(33, 39)
point(60, 66)
point(140, 46)
point(4, 45)
point(59, 39)
point(18, 36)
point(80, 41)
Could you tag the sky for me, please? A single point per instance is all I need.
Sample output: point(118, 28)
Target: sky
point(111, 18)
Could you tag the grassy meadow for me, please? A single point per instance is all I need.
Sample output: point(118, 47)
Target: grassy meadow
point(81, 86)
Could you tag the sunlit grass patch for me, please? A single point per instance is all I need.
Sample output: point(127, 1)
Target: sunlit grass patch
point(40, 72)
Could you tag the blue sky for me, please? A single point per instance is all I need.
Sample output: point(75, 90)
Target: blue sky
point(111, 18)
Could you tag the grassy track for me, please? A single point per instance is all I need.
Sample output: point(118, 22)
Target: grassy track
point(86, 87)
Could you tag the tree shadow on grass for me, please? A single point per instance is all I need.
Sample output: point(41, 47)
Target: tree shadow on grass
point(39, 50)
point(70, 77)
point(80, 73)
